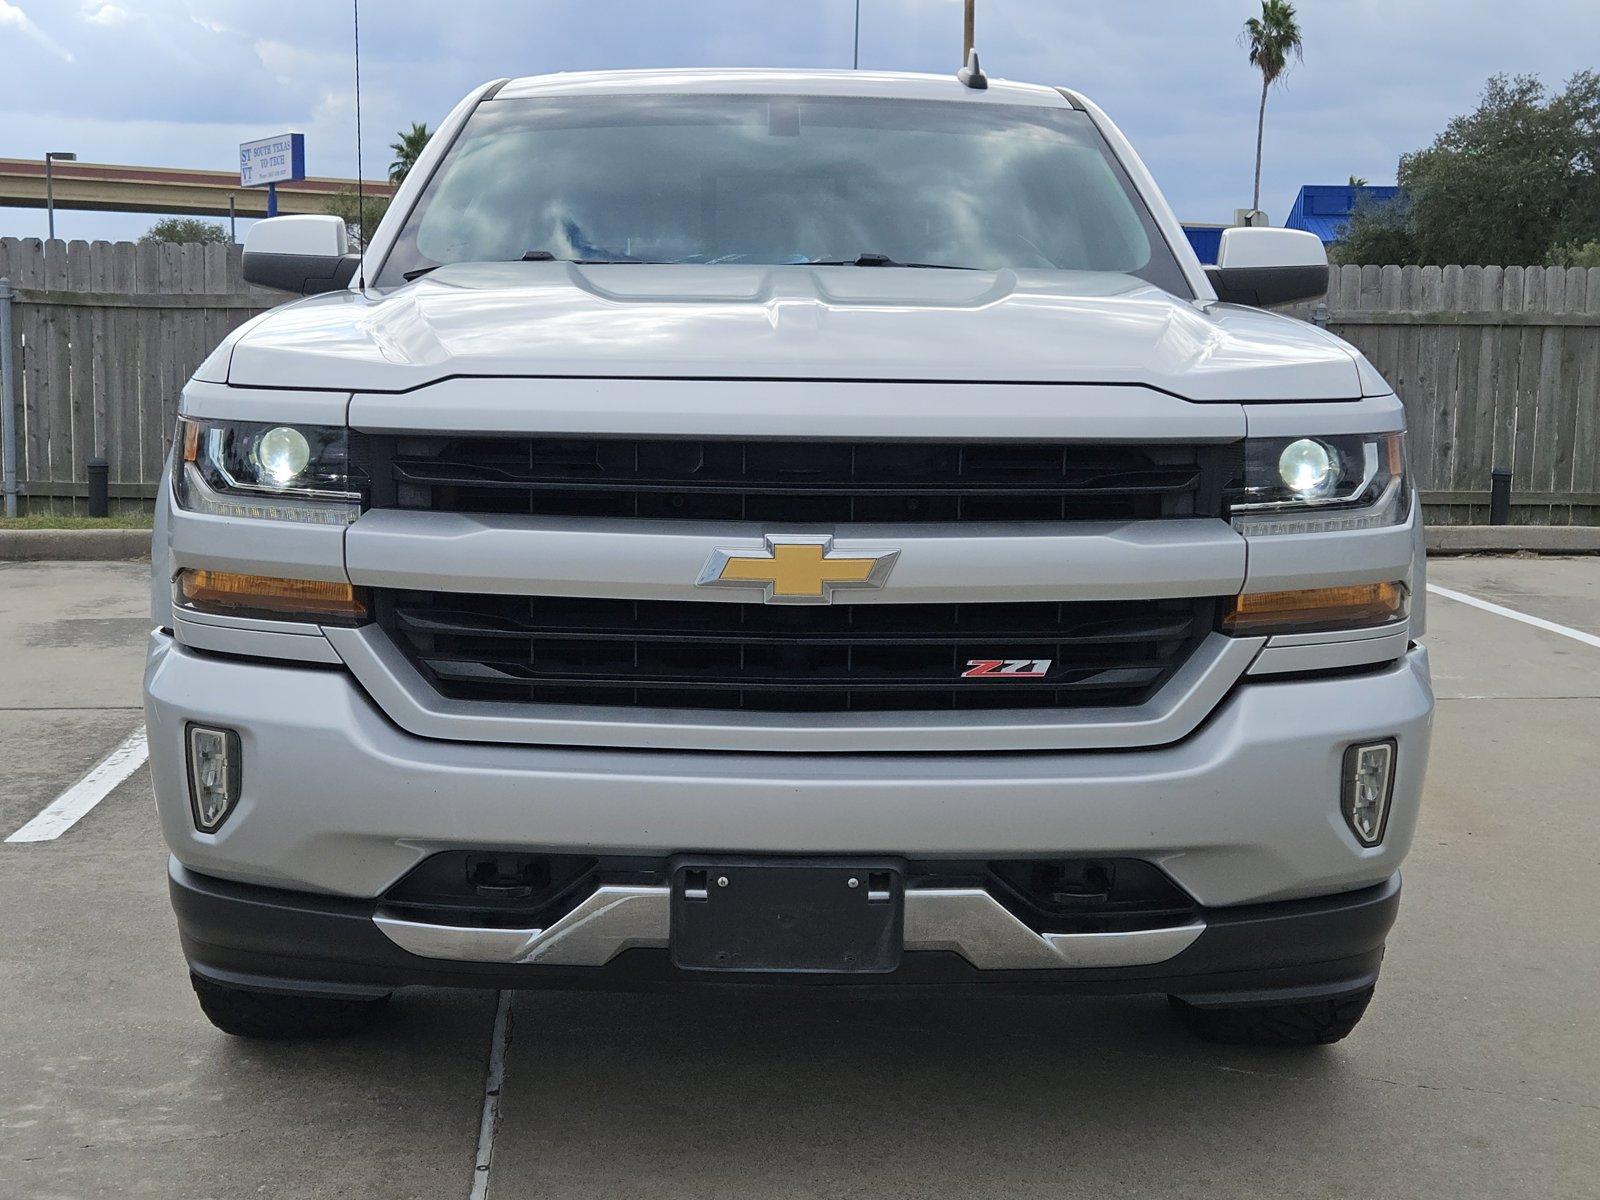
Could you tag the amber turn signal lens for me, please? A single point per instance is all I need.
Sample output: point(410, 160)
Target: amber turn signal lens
point(1316, 610)
point(227, 594)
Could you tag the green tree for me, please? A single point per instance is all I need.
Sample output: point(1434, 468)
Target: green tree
point(1516, 182)
point(1358, 182)
point(1379, 232)
point(1505, 183)
point(1271, 38)
point(185, 229)
point(1573, 255)
point(407, 150)
point(360, 219)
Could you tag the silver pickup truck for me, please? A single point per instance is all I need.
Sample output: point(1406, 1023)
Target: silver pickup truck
point(776, 527)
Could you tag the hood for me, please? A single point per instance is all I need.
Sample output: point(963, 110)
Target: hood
point(800, 322)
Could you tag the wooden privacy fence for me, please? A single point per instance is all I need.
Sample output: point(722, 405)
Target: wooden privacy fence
point(1498, 367)
point(104, 337)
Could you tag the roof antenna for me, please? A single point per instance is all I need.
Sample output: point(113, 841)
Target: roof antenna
point(361, 194)
point(972, 75)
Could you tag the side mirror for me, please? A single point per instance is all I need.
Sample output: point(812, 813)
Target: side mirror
point(1266, 267)
point(305, 254)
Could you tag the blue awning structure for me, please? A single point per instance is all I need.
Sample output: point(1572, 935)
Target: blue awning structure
point(1206, 240)
point(1324, 209)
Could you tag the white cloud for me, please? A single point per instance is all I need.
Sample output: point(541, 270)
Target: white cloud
point(13, 17)
point(286, 60)
point(99, 12)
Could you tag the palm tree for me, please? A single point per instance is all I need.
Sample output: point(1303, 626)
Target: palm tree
point(1272, 38)
point(407, 150)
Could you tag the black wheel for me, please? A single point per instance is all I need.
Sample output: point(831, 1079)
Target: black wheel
point(282, 1017)
point(1311, 1023)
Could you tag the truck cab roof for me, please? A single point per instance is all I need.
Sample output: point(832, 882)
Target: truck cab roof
point(768, 81)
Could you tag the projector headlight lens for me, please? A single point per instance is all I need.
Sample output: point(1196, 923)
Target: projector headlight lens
point(283, 453)
point(1309, 468)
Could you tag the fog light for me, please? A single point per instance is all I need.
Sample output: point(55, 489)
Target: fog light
point(1368, 783)
point(213, 775)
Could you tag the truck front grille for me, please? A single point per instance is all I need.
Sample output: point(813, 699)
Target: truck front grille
point(793, 481)
point(780, 658)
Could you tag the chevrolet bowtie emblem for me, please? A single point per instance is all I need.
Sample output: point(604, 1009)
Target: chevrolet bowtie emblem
point(798, 570)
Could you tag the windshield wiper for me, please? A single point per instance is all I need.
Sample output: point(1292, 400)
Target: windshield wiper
point(882, 260)
point(530, 256)
point(546, 256)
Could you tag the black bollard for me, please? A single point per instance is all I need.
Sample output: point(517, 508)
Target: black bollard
point(99, 488)
point(1500, 496)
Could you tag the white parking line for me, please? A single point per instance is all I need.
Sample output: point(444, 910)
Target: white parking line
point(68, 808)
point(489, 1123)
point(1577, 635)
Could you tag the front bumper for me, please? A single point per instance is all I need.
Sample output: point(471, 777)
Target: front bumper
point(274, 940)
point(337, 800)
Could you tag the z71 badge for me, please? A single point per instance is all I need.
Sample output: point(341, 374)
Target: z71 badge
point(1007, 668)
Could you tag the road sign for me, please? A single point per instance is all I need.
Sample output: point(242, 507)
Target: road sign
point(265, 161)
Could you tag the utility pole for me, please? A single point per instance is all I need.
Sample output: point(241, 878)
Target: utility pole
point(966, 32)
point(53, 156)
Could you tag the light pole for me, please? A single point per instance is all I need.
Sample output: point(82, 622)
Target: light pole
point(53, 156)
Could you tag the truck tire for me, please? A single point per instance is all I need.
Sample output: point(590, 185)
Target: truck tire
point(1310, 1023)
point(282, 1017)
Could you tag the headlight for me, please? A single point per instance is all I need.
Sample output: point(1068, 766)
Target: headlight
point(271, 472)
point(1322, 484)
point(1309, 468)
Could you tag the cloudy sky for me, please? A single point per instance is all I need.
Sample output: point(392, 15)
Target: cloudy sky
point(182, 82)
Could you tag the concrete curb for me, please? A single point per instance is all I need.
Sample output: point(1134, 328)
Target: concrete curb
point(1512, 539)
point(73, 545)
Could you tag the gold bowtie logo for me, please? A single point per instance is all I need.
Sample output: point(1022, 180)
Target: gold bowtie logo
point(798, 570)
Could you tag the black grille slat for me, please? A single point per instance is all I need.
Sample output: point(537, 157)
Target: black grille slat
point(451, 670)
point(1132, 483)
point(798, 481)
point(783, 658)
point(479, 626)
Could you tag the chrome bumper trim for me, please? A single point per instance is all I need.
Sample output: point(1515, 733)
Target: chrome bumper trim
point(610, 921)
point(978, 927)
point(967, 921)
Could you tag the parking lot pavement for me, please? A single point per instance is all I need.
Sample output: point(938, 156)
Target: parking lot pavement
point(1477, 1072)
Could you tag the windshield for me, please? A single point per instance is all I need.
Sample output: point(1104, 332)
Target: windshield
point(783, 180)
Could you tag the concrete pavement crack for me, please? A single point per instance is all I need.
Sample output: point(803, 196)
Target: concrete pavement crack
point(139, 1143)
point(49, 708)
point(1462, 1087)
